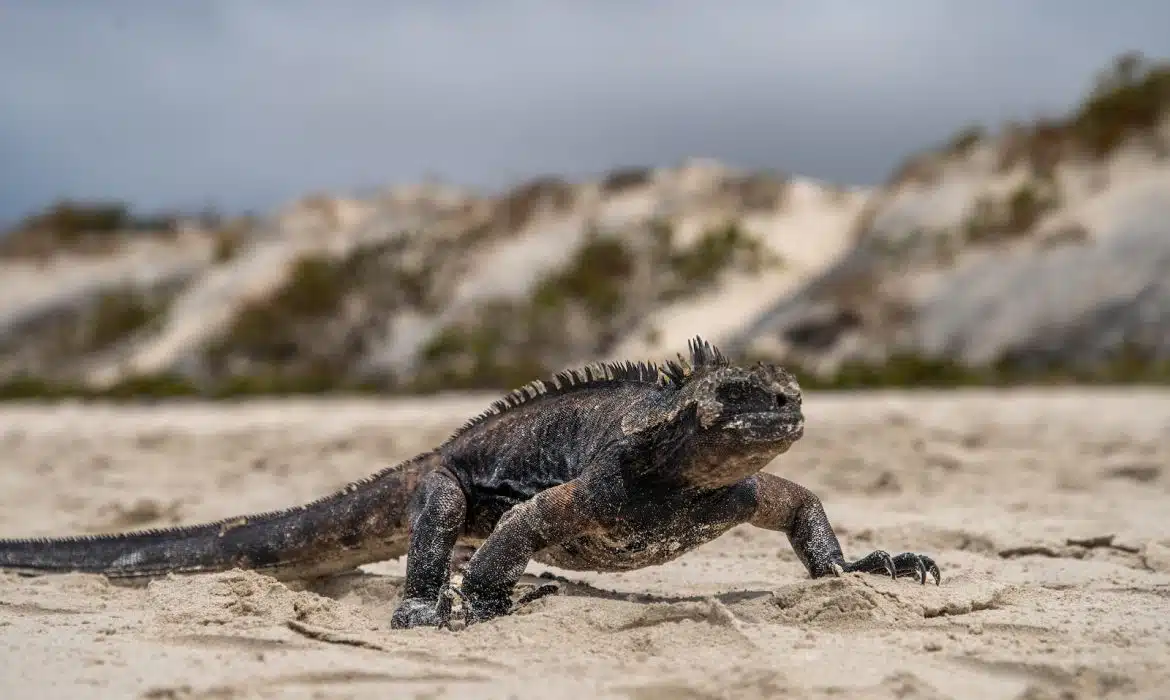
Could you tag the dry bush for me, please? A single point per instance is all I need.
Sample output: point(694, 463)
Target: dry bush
point(991, 221)
point(516, 209)
point(623, 179)
point(90, 228)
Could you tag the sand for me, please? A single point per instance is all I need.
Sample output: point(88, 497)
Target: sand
point(1048, 513)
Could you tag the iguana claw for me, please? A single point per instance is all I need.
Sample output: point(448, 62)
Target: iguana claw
point(905, 564)
point(918, 566)
point(479, 609)
point(420, 612)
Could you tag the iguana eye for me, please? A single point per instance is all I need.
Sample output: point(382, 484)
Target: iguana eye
point(734, 393)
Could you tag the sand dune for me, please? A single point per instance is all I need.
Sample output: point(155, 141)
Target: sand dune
point(1046, 511)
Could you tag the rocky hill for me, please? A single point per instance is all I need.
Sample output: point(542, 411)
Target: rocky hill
point(414, 289)
point(1041, 248)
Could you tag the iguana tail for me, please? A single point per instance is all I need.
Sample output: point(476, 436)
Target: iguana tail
point(365, 521)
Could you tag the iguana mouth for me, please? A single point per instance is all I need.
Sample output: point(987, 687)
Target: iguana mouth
point(767, 426)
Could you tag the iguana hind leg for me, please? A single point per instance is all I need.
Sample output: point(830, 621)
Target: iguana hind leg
point(439, 512)
point(788, 507)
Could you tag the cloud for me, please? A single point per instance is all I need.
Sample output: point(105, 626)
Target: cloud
point(245, 103)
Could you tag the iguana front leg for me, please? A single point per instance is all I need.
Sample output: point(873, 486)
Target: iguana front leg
point(788, 507)
point(552, 516)
point(439, 512)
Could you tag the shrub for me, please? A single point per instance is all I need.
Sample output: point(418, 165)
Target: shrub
point(581, 309)
point(698, 266)
point(992, 221)
point(226, 246)
point(962, 142)
point(270, 330)
point(623, 179)
point(503, 349)
point(516, 209)
point(313, 331)
point(78, 226)
point(1025, 206)
point(1132, 97)
point(490, 368)
point(24, 388)
point(908, 370)
point(510, 342)
point(69, 219)
point(756, 192)
point(151, 386)
point(919, 169)
point(228, 238)
point(594, 278)
point(116, 315)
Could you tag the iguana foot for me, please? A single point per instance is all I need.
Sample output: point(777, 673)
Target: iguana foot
point(479, 609)
point(918, 566)
point(421, 612)
point(905, 564)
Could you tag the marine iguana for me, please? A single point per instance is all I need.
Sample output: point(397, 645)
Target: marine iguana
point(609, 467)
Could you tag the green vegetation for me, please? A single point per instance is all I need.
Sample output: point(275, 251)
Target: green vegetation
point(70, 219)
point(609, 283)
point(719, 249)
point(622, 179)
point(228, 238)
point(226, 247)
point(267, 330)
point(594, 279)
point(517, 208)
point(911, 371)
point(903, 371)
point(1129, 101)
point(50, 344)
point(309, 333)
point(1041, 145)
point(962, 142)
point(513, 341)
point(900, 370)
point(756, 192)
point(507, 347)
point(1133, 97)
point(167, 386)
point(991, 221)
point(116, 316)
point(112, 317)
point(694, 269)
point(78, 226)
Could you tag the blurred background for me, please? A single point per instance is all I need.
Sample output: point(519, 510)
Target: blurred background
point(255, 197)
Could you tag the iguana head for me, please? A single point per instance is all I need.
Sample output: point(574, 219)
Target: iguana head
point(723, 422)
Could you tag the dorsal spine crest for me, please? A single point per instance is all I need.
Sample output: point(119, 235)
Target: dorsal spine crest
point(668, 375)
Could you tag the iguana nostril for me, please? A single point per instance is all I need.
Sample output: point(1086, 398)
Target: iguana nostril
point(781, 400)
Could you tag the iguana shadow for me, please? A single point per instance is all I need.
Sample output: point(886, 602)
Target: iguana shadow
point(370, 584)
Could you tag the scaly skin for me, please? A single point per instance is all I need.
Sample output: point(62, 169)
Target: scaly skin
point(611, 467)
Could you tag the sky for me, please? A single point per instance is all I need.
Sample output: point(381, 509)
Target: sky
point(246, 104)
